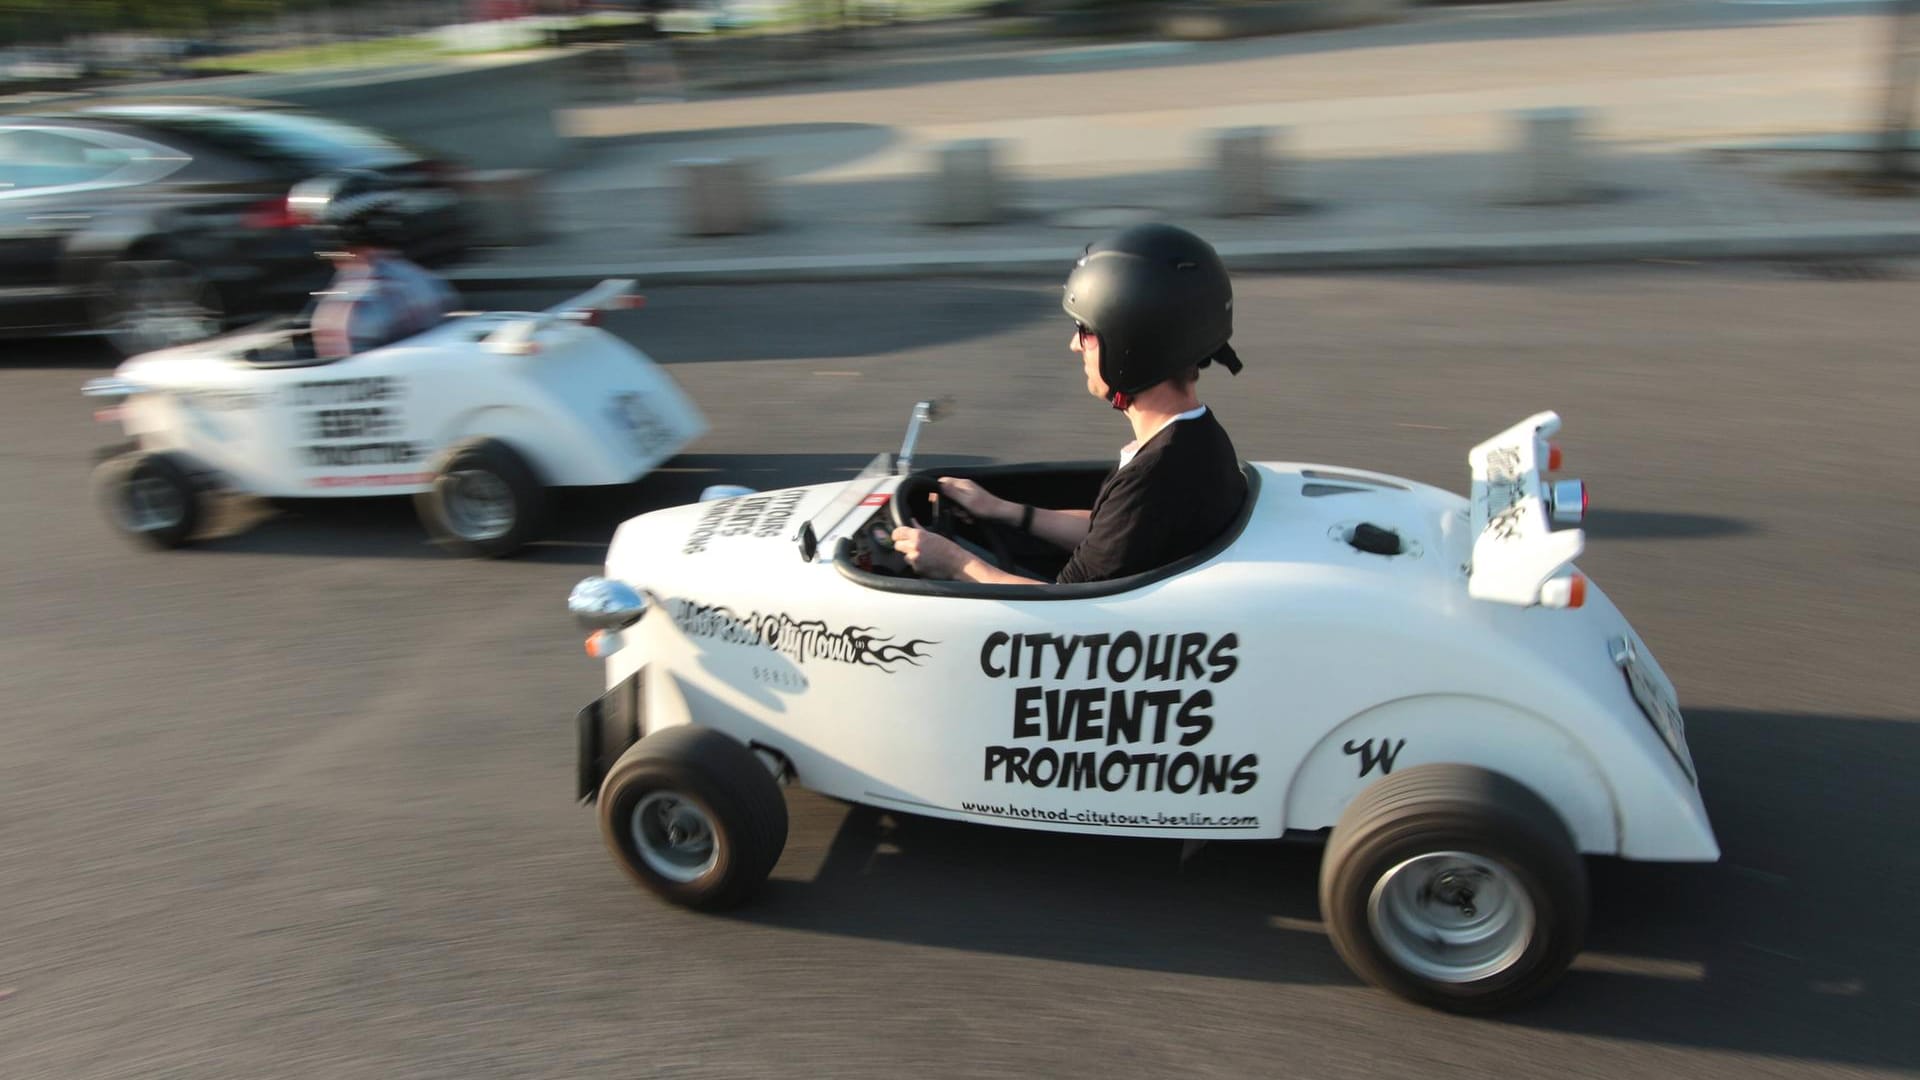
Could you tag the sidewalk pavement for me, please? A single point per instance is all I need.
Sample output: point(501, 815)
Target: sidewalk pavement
point(1374, 213)
point(1373, 179)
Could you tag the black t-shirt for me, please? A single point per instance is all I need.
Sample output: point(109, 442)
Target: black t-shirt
point(1178, 494)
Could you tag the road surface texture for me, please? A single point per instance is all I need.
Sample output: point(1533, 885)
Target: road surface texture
point(297, 803)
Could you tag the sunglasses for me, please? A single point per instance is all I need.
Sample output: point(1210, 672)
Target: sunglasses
point(1081, 333)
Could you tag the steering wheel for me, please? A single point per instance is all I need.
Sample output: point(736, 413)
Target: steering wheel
point(914, 507)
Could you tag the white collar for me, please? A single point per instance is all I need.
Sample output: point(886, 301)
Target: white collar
point(1132, 448)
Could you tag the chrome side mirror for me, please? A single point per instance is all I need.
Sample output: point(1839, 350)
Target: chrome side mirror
point(725, 491)
point(601, 603)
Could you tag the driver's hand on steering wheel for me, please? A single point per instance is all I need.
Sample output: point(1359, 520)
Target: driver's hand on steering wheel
point(930, 554)
point(978, 501)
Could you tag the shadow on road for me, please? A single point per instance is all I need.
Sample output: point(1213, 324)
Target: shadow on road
point(1659, 525)
point(584, 519)
point(1800, 943)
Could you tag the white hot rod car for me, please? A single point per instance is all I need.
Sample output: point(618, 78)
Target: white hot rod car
point(475, 418)
point(1423, 679)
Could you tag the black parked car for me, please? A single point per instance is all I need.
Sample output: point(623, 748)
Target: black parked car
point(161, 223)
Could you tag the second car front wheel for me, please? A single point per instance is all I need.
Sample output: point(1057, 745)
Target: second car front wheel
point(150, 496)
point(694, 816)
point(486, 500)
point(1454, 887)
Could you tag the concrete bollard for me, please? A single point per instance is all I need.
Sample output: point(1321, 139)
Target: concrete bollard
point(503, 206)
point(966, 189)
point(720, 196)
point(1550, 166)
point(1243, 172)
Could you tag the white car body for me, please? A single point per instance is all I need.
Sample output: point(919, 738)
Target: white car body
point(582, 406)
point(1252, 695)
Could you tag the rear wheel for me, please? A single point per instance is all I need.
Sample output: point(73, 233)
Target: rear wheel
point(1454, 887)
point(151, 300)
point(694, 817)
point(486, 500)
point(149, 496)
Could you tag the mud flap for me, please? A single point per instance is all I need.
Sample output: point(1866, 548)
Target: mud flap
point(604, 730)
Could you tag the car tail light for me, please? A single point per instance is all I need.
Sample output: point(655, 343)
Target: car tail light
point(1569, 591)
point(1567, 502)
point(271, 214)
point(1553, 457)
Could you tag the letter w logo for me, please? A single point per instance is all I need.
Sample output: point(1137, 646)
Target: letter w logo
point(1368, 758)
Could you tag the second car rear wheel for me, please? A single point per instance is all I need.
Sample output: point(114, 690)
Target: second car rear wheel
point(1454, 887)
point(694, 816)
point(486, 500)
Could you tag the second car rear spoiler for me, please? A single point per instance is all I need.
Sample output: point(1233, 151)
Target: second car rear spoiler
point(517, 337)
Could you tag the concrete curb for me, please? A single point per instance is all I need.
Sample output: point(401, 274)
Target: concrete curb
point(1433, 251)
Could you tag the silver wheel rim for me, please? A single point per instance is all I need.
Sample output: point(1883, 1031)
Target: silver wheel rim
point(1451, 917)
point(479, 505)
point(674, 836)
point(150, 504)
point(157, 303)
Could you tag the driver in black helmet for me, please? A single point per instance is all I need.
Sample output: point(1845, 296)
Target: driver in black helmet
point(378, 296)
point(1151, 306)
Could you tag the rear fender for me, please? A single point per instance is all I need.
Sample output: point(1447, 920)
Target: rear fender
point(561, 452)
point(1456, 728)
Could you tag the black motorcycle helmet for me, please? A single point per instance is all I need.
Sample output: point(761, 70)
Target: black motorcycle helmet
point(348, 209)
point(1159, 300)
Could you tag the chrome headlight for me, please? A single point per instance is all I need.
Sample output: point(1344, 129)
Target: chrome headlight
point(601, 603)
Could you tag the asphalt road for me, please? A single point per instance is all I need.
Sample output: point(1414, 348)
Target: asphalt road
point(297, 803)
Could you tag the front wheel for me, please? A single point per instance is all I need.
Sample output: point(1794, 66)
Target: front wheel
point(694, 816)
point(486, 500)
point(1456, 888)
point(150, 497)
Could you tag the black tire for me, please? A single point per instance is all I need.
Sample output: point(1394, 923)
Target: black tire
point(148, 299)
point(726, 784)
point(479, 470)
point(1516, 845)
point(150, 496)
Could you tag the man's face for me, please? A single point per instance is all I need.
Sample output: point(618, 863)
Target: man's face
point(1087, 344)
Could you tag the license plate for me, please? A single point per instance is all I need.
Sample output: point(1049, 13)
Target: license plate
point(1662, 709)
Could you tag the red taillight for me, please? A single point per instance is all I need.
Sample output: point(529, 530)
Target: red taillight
point(1553, 457)
point(1583, 501)
point(272, 214)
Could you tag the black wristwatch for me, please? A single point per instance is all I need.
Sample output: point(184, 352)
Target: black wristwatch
point(1026, 519)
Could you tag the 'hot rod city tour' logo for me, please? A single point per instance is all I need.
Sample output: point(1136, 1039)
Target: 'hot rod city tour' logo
point(799, 640)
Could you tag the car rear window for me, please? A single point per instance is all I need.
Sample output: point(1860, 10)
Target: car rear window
point(311, 142)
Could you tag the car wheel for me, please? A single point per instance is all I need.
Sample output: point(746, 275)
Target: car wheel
point(151, 497)
point(151, 301)
point(485, 501)
point(694, 816)
point(1454, 887)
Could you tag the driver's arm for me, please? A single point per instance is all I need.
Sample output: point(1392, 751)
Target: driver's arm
point(979, 570)
point(1061, 528)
